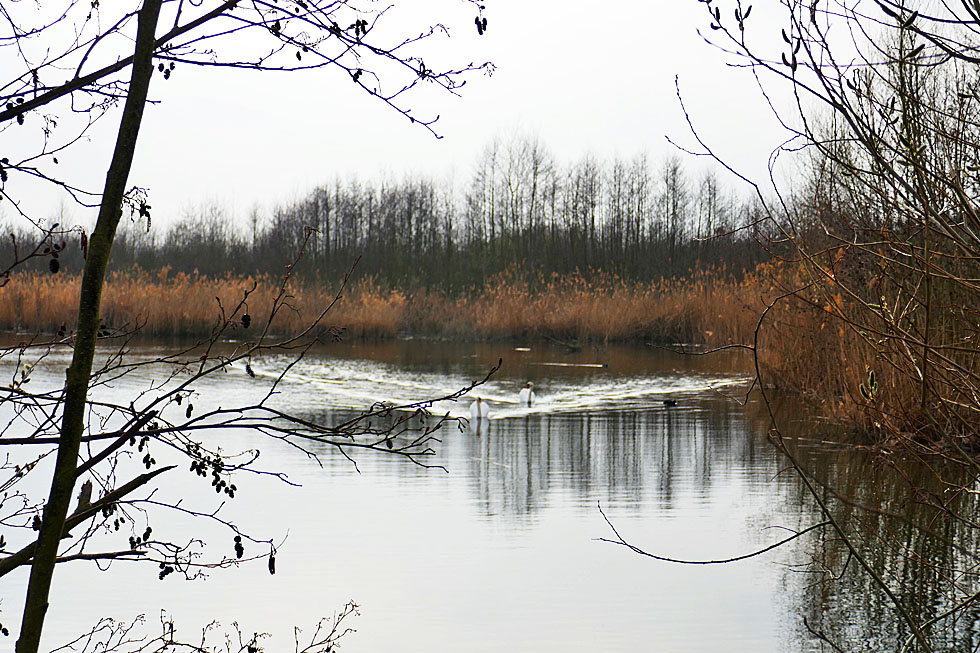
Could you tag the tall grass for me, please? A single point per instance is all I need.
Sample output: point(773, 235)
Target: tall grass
point(706, 307)
point(709, 306)
point(812, 343)
point(805, 345)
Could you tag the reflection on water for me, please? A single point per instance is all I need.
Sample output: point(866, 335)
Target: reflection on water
point(498, 551)
point(514, 464)
point(904, 518)
point(690, 482)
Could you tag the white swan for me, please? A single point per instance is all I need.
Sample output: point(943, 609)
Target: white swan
point(526, 398)
point(479, 410)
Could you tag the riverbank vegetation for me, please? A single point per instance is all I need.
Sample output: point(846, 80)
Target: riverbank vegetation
point(886, 236)
point(529, 249)
point(708, 307)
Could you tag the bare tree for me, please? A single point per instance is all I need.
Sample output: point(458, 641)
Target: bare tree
point(84, 59)
point(674, 199)
point(885, 243)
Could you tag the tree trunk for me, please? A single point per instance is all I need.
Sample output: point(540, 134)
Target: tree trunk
point(77, 377)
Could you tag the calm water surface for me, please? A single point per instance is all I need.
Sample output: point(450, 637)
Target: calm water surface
point(499, 551)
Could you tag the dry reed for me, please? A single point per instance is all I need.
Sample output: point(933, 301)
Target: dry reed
point(708, 307)
point(804, 345)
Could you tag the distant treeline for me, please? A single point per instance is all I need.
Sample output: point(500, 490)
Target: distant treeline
point(520, 208)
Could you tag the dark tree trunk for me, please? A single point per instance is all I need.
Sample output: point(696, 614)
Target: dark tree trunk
point(77, 378)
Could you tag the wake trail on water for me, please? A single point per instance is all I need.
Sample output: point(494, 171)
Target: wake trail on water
point(359, 384)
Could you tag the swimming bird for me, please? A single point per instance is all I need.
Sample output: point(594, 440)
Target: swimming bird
point(526, 397)
point(479, 410)
point(670, 402)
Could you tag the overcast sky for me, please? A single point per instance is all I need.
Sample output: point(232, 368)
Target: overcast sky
point(583, 77)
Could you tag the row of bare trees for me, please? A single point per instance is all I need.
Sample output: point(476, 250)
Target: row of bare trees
point(520, 208)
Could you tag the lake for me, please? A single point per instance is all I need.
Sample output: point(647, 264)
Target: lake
point(497, 547)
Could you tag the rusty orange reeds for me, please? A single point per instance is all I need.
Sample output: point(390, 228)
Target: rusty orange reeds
point(706, 307)
point(803, 345)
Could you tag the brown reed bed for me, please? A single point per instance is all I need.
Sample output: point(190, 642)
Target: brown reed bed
point(707, 307)
point(814, 343)
point(804, 346)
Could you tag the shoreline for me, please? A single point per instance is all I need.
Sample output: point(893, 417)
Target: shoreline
point(804, 346)
point(573, 311)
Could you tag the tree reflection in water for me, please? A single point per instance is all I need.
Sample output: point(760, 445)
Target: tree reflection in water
point(651, 463)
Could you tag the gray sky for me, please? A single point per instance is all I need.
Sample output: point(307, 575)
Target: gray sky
point(582, 77)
